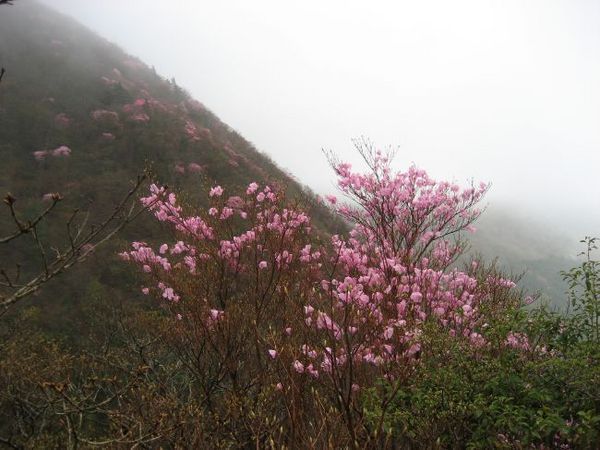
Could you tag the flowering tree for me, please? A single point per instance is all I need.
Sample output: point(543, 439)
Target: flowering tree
point(287, 328)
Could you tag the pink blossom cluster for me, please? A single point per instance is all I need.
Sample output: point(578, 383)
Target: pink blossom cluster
point(191, 168)
point(61, 151)
point(369, 294)
point(137, 111)
point(191, 131)
point(41, 155)
point(202, 238)
point(152, 103)
point(518, 341)
point(165, 209)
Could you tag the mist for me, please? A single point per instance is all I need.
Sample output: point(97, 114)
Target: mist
point(506, 93)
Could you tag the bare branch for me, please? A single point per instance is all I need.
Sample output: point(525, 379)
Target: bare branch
point(79, 247)
point(24, 228)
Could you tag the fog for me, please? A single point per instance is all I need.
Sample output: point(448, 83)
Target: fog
point(506, 92)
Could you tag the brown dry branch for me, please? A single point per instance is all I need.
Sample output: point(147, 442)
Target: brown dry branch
point(82, 239)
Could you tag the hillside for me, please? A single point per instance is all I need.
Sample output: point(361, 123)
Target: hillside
point(235, 310)
point(524, 246)
point(80, 117)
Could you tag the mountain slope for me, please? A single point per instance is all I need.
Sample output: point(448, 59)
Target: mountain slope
point(80, 117)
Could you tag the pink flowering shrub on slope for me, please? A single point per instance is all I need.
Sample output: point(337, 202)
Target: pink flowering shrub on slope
point(290, 329)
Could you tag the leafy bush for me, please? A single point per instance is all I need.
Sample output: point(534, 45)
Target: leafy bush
point(543, 396)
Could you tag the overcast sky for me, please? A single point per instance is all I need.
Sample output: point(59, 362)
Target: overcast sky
point(501, 91)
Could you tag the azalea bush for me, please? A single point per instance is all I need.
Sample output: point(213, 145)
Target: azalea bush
point(283, 332)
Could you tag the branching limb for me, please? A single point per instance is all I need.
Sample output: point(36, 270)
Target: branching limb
point(81, 241)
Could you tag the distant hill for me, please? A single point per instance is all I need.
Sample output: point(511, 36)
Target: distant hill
point(525, 246)
point(80, 117)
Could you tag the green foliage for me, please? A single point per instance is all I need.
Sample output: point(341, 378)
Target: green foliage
point(584, 295)
point(485, 402)
point(547, 397)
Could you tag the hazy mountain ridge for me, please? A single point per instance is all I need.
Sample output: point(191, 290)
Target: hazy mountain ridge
point(526, 246)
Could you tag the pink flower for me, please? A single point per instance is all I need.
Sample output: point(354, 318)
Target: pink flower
point(169, 294)
point(217, 191)
point(388, 333)
point(273, 353)
point(40, 155)
point(216, 315)
point(298, 366)
point(226, 213)
point(262, 265)
point(517, 341)
point(260, 197)
point(416, 297)
point(63, 150)
point(413, 350)
point(252, 187)
point(331, 199)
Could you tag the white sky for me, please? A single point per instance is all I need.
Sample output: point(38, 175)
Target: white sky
point(501, 91)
